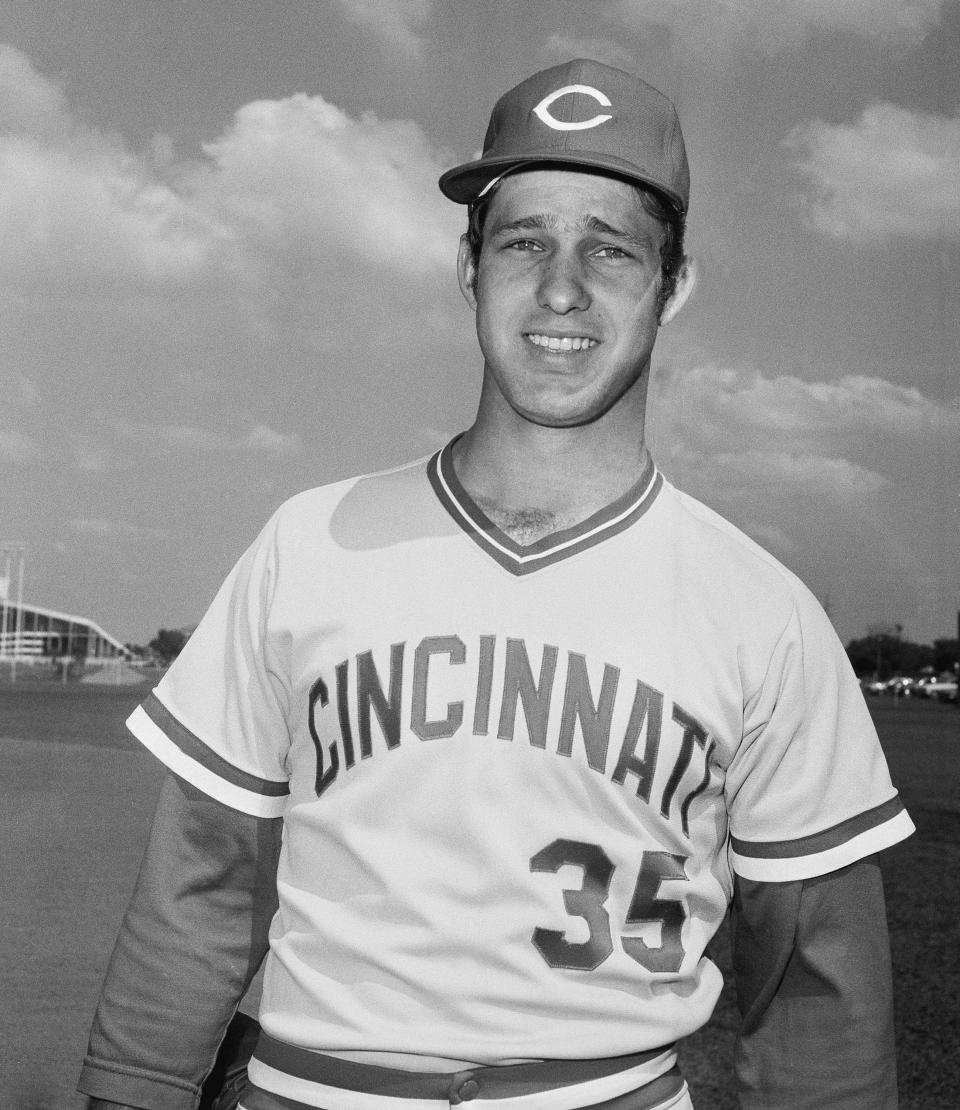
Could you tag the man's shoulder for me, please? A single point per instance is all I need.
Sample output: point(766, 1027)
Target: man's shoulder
point(378, 508)
point(732, 555)
point(405, 479)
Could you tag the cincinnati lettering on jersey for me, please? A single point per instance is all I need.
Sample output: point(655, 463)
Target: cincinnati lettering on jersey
point(635, 754)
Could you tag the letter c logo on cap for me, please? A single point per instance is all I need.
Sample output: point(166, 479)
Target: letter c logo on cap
point(542, 110)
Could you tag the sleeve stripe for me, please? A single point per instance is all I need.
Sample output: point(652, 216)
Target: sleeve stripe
point(820, 842)
point(785, 868)
point(237, 797)
point(195, 749)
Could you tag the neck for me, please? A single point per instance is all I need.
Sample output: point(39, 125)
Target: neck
point(542, 478)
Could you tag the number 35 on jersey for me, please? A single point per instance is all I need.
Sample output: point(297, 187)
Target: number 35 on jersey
point(588, 902)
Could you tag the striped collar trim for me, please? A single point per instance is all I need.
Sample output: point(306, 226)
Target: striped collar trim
point(520, 559)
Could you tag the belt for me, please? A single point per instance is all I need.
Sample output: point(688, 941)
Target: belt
point(284, 1077)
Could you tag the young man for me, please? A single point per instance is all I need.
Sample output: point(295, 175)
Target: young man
point(519, 722)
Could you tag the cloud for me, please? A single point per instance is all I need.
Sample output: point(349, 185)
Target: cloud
point(300, 175)
point(266, 440)
point(891, 20)
point(774, 539)
point(293, 189)
point(15, 447)
point(837, 479)
point(85, 216)
point(891, 173)
point(396, 22)
point(171, 438)
point(305, 255)
point(29, 103)
point(25, 390)
point(792, 461)
point(90, 457)
point(560, 48)
point(708, 26)
point(115, 530)
point(854, 409)
point(89, 453)
point(80, 211)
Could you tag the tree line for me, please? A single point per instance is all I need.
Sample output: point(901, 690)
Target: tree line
point(885, 655)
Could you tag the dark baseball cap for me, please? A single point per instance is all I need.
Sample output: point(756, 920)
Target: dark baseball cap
point(581, 113)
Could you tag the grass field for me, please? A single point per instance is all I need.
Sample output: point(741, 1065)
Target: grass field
point(76, 797)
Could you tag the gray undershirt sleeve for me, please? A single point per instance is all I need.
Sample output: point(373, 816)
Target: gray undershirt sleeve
point(194, 934)
point(812, 967)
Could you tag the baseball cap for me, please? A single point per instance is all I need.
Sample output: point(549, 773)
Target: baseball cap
point(581, 113)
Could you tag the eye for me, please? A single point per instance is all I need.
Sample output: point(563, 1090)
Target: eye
point(609, 251)
point(523, 245)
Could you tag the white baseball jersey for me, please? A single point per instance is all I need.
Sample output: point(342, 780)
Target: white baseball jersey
point(516, 781)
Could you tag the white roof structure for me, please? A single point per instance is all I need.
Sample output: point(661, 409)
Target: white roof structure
point(38, 626)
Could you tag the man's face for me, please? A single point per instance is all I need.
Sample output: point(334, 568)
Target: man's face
point(566, 297)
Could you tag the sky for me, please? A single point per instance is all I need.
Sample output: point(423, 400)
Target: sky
point(227, 275)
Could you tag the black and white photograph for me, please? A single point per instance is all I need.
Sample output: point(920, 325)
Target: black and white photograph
point(479, 554)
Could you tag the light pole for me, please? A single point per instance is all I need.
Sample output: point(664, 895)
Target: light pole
point(13, 553)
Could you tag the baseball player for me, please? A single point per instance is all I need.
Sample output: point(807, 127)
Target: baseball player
point(482, 748)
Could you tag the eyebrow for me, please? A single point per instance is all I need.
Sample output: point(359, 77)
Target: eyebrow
point(549, 223)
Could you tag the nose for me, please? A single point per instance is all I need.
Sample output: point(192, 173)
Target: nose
point(563, 287)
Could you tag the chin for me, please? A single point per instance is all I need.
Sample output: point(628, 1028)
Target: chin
point(571, 411)
point(560, 416)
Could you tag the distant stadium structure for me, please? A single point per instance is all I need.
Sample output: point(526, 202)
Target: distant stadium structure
point(31, 633)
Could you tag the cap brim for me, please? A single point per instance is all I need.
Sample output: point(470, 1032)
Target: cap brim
point(465, 184)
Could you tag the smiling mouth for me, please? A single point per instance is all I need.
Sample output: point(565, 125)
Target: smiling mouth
point(561, 343)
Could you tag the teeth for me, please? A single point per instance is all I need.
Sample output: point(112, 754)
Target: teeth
point(567, 343)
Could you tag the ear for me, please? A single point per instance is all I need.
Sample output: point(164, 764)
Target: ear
point(467, 273)
point(686, 280)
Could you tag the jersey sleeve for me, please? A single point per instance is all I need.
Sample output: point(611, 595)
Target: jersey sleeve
point(218, 717)
point(808, 790)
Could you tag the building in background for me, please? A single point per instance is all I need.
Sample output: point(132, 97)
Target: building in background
point(32, 633)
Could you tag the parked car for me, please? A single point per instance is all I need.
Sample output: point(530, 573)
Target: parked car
point(873, 685)
point(943, 688)
point(900, 686)
point(923, 683)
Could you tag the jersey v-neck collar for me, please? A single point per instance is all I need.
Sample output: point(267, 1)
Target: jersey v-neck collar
point(520, 559)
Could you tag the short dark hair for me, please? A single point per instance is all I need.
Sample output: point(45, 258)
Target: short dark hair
point(673, 220)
